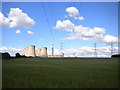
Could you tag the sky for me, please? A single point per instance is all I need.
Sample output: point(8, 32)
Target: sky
point(78, 25)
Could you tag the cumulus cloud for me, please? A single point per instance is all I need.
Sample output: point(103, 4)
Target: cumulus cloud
point(18, 31)
point(66, 25)
point(10, 50)
point(4, 21)
point(89, 51)
point(16, 19)
point(29, 32)
point(80, 18)
point(86, 33)
point(110, 39)
point(94, 34)
point(86, 52)
point(74, 13)
point(81, 32)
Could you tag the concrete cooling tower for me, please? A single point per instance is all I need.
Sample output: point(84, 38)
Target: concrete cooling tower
point(26, 51)
point(44, 52)
point(23, 52)
point(38, 52)
point(31, 51)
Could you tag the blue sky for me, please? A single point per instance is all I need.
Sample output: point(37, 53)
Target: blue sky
point(45, 15)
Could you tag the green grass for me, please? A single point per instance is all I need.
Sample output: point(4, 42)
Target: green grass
point(60, 73)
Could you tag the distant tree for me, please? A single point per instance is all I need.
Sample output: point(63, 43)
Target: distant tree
point(116, 55)
point(5, 56)
point(23, 56)
point(0, 56)
point(17, 55)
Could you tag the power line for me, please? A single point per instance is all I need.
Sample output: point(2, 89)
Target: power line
point(52, 18)
point(45, 13)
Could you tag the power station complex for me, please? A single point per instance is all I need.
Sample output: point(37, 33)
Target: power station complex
point(31, 52)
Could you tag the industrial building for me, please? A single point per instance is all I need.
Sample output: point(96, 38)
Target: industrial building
point(31, 52)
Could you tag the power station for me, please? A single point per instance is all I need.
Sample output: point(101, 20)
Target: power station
point(31, 52)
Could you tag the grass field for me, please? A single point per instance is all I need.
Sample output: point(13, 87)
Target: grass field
point(60, 73)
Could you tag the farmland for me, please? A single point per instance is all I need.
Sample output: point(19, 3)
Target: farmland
point(60, 73)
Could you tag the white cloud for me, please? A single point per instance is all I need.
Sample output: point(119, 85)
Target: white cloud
point(79, 18)
point(66, 25)
point(101, 51)
point(87, 51)
point(16, 19)
point(99, 38)
point(18, 31)
point(94, 34)
point(110, 39)
point(10, 50)
point(29, 32)
point(4, 21)
point(86, 33)
point(74, 12)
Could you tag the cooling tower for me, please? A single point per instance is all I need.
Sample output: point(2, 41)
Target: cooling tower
point(31, 51)
point(44, 52)
point(38, 51)
point(23, 52)
point(26, 51)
